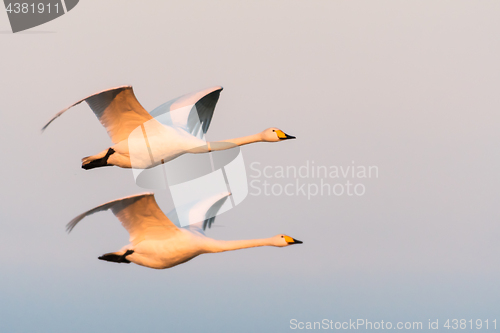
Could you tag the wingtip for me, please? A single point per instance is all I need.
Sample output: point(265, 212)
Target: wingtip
point(213, 89)
point(47, 124)
point(69, 227)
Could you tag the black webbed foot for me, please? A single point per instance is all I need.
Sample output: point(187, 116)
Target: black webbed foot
point(100, 162)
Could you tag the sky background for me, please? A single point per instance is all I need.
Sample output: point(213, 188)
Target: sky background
point(410, 87)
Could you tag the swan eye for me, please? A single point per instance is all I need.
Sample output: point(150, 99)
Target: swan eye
point(281, 236)
point(274, 131)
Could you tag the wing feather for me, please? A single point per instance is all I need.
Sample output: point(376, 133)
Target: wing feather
point(117, 109)
point(199, 214)
point(139, 215)
point(213, 210)
point(192, 112)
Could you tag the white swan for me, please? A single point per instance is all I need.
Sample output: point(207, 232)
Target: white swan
point(156, 242)
point(152, 142)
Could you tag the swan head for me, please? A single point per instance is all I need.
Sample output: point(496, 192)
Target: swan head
point(284, 240)
point(274, 134)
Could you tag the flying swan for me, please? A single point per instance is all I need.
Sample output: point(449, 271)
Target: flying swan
point(156, 242)
point(136, 132)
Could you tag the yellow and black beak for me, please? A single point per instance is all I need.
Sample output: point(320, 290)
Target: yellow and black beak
point(283, 136)
point(291, 240)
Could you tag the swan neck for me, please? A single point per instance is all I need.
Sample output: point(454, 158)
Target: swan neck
point(230, 143)
point(222, 246)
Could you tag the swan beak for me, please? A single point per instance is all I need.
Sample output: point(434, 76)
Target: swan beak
point(291, 240)
point(283, 136)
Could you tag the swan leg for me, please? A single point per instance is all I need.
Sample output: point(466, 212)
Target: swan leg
point(93, 162)
point(115, 257)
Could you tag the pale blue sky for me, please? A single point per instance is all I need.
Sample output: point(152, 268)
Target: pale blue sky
point(411, 87)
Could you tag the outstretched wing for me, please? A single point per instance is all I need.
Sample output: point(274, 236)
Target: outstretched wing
point(213, 210)
point(200, 215)
point(139, 214)
point(117, 109)
point(192, 112)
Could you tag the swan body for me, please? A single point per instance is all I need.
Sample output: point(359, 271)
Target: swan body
point(165, 144)
point(141, 141)
point(157, 242)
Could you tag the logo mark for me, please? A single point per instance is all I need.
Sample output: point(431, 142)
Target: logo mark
point(191, 178)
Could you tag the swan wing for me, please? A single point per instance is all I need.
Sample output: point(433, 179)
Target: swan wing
point(117, 109)
point(214, 209)
point(192, 112)
point(139, 215)
point(199, 215)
